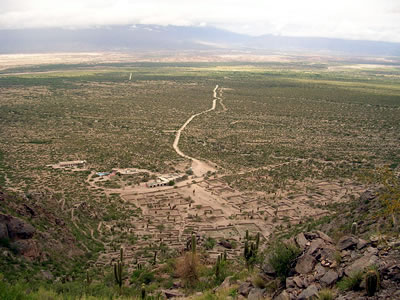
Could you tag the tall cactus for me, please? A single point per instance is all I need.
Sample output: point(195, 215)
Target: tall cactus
point(193, 244)
point(257, 240)
point(155, 257)
point(247, 234)
point(118, 273)
point(118, 269)
point(371, 282)
point(88, 278)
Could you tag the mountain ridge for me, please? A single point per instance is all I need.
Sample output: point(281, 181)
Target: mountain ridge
point(177, 38)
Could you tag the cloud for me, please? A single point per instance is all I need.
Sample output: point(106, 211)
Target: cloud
point(356, 19)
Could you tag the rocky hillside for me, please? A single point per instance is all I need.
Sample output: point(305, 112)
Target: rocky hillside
point(340, 268)
point(352, 254)
point(36, 242)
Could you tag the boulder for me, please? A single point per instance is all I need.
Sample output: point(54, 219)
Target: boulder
point(244, 288)
point(27, 248)
point(329, 278)
point(282, 296)
point(305, 264)
point(298, 281)
point(325, 237)
point(315, 245)
point(172, 294)
point(361, 263)
point(225, 284)
point(267, 268)
point(319, 271)
point(225, 244)
point(361, 244)
point(301, 241)
point(290, 283)
point(17, 229)
point(308, 293)
point(347, 242)
point(256, 294)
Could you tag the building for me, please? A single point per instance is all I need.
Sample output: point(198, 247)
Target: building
point(72, 164)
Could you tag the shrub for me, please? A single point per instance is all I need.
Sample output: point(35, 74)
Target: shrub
point(326, 294)
point(209, 243)
point(352, 282)
point(187, 268)
point(282, 257)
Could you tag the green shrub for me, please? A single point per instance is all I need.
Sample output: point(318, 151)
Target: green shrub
point(351, 283)
point(326, 294)
point(209, 243)
point(282, 257)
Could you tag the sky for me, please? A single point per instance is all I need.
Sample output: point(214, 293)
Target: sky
point(349, 19)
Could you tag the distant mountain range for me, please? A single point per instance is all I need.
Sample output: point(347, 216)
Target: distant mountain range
point(179, 38)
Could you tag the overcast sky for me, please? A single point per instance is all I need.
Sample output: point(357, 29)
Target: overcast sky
point(353, 19)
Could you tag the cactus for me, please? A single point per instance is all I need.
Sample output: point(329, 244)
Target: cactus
point(246, 248)
point(88, 279)
point(354, 228)
point(143, 291)
point(225, 255)
point(247, 234)
point(257, 240)
point(371, 282)
point(118, 268)
point(193, 244)
point(217, 267)
point(155, 258)
point(118, 273)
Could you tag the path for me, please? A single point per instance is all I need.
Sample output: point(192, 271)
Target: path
point(199, 167)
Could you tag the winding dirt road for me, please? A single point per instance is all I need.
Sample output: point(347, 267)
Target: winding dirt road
point(199, 167)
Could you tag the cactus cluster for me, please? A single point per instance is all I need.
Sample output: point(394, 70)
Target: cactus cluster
point(221, 259)
point(251, 249)
point(118, 269)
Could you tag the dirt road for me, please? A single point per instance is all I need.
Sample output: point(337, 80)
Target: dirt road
point(199, 167)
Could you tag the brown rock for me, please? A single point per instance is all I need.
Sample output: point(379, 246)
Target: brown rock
point(225, 244)
point(305, 264)
point(27, 248)
point(172, 294)
point(361, 263)
point(319, 271)
point(329, 278)
point(17, 228)
point(244, 288)
point(308, 293)
point(256, 294)
point(347, 242)
point(325, 237)
point(301, 241)
point(315, 245)
point(298, 281)
point(282, 296)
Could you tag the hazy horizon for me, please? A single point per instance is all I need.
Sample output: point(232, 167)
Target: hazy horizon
point(355, 20)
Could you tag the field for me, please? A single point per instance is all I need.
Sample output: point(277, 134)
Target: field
point(287, 141)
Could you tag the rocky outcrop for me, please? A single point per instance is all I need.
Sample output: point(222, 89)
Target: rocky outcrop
point(18, 235)
point(323, 263)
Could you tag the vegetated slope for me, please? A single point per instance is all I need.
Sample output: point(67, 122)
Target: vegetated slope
point(37, 240)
